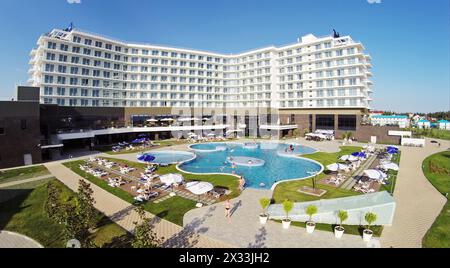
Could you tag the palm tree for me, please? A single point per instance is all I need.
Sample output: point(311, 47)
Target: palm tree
point(287, 207)
point(343, 216)
point(370, 218)
point(311, 210)
point(264, 202)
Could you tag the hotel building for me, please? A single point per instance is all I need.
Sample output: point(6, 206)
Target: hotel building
point(98, 90)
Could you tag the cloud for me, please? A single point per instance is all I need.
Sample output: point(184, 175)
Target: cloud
point(368, 1)
point(74, 1)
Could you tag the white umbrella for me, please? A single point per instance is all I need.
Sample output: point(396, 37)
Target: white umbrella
point(211, 134)
point(336, 167)
point(352, 158)
point(375, 174)
point(206, 119)
point(344, 157)
point(152, 120)
point(184, 119)
point(199, 188)
point(166, 119)
point(171, 178)
point(392, 166)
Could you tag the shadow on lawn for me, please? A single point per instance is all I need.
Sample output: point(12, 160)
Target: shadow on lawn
point(11, 203)
point(188, 237)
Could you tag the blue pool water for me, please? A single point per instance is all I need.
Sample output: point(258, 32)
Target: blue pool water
point(171, 157)
point(278, 164)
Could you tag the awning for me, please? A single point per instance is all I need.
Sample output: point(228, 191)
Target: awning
point(199, 187)
point(171, 178)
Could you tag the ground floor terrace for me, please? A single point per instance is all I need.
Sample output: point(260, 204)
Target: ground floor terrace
point(185, 225)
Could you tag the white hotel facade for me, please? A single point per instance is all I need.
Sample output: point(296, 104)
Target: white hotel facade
point(77, 68)
point(317, 82)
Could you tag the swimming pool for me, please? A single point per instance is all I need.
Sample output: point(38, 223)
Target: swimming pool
point(261, 164)
point(171, 157)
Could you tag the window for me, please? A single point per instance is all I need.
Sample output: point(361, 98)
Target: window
point(347, 122)
point(325, 121)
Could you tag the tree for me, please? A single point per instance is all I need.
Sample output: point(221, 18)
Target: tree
point(264, 202)
point(287, 207)
point(86, 209)
point(53, 203)
point(370, 218)
point(311, 210)
point(144, 236)
point(343, 216)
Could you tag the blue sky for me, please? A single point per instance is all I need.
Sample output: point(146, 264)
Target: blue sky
point(407, 39)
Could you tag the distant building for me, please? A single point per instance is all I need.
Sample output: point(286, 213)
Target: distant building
point(423, 123)
point(443, 124)
point(401, 121)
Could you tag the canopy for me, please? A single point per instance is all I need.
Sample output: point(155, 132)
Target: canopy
point(392, 166)
point(375, 174)
point(146, 157)
point(199, 187)
point(171, 178)
point(336, 167)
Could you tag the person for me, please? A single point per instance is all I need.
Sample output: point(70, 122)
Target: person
point(241, 183)
point(228, 208)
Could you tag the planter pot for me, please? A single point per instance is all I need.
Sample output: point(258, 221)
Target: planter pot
point(310, 226)
point(263, 218)
point(338, 231)
point(367, 235)
point(286, 223)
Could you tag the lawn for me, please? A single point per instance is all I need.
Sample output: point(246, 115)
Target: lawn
point(288, 190)
point(172, 209)
point(437, 170)
point(25, 214)
point(432, 133)
point(23, 173)
point(392, 178)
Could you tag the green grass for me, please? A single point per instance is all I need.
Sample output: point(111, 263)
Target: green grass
point(392, 178)
point(288, 190)
point(23, 173)
point(438, 236)
point(349, 229)
point(432, 133)
point(172, 209)
point(227, 181)
point(25, 214)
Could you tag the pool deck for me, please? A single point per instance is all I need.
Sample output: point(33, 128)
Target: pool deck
point(243, 229)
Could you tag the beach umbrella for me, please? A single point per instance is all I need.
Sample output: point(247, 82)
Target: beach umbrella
point(152, 120)
point(141, 140)
point(184, 119)
point(375, 174)
point(391, 148)
point(359, 154)
point(344, 157)
point(392, 166)
point(206, 119)
point(211, 134)
point(146, 158)
point(171, 178)
point(336, 167)
point(392, 151)
point(142, 136)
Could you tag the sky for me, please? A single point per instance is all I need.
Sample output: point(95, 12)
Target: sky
point(408, 40)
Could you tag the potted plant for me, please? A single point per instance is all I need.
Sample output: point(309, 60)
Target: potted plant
point(264, 202)
point(339, 230)
point(370, 218)
point(310, 225)
point(287, 206)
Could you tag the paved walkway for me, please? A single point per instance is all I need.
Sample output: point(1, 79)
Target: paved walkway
point(14, 183)
point(124, 215)
point(15, 240)
point(418, 202)
point(244, 229)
